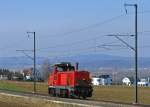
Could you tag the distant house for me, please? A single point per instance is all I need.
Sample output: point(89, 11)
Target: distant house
point(143, 82)
point(28, 77)
point(3, 77)
point(105, 80)
point(127, 81)
point(27, 73)
point(102, 80)
point(95, 81)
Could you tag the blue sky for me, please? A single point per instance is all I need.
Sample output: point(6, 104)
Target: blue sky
point(67, 27)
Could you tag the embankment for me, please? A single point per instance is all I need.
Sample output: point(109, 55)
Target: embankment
point(13, 100)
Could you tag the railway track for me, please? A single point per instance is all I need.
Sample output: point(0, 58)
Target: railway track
point(77, 101)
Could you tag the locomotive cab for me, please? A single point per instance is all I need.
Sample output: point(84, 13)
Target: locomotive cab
point(64, 66)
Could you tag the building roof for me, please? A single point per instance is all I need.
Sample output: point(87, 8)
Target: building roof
point(130, 78)
point(104, 76)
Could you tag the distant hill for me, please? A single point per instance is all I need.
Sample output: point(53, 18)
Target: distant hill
point(90, 61)
point(17, 62)
point(95, 61)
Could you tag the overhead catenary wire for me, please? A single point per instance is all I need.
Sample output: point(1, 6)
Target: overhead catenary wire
point(5, 48)
point(85, 28)
point(84, 51)
point(106, 46)
point(92, 25)
point(73, 51)
point(73, 43)
point(74, 31)
point(90, 50)
point(81, 29)
point(83, 41)
point(12, 44)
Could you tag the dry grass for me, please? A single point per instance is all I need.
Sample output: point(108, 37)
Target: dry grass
point(108, 93)
point(16, 101)
point(122, 94)
point(11, 104)
point(113, 93)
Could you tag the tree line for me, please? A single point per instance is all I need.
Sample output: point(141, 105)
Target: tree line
point(10, 74)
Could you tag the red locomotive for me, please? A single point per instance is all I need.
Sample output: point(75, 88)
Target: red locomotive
point(66, 81)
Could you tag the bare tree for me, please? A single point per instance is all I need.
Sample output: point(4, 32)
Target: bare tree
point(46, 69)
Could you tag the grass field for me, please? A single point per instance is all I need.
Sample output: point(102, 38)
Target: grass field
point(11, 104)
point(107, 93)
point(121, 94)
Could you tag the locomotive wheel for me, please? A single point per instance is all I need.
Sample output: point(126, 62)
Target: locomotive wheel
point(65, 93)
point(50, 91)
point(84, 97)
point(53, 92)
point(79, 96)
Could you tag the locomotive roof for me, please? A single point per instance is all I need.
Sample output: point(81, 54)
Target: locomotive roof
point(63, 64)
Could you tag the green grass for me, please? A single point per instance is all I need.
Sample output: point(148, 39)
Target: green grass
point(9, 86)
point(113, 93)
point(122, 94)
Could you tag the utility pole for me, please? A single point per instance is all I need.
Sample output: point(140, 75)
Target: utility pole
point(136, 52)
point(34, 72)
point(135, 49)
point(136, 60)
